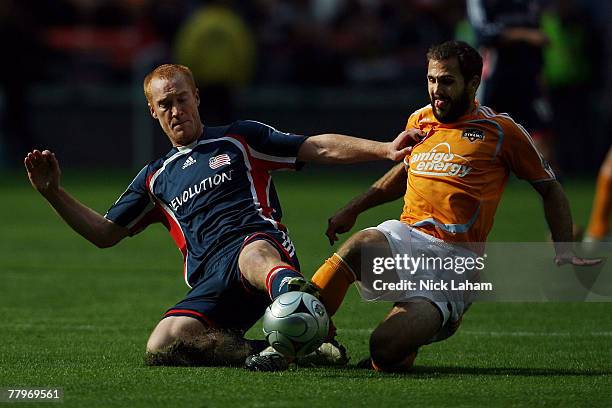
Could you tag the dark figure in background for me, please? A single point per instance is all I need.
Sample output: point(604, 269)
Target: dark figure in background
point(511, 43)
point(19, 40)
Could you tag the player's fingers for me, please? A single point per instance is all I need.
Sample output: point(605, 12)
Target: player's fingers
point(586, 262)
point(27, 161)
point(417, 135)
point(34, 158)
point(331, 235)
point(331, 231)
point(53, 160)
point(403, 153)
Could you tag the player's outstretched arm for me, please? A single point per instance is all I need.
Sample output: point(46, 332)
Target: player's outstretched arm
point(559, 219)
point(333, 148)
point(389, 187)
point(44, 173)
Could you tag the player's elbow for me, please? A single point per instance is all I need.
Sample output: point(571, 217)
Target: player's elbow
point(320, 149)
point(108, 235)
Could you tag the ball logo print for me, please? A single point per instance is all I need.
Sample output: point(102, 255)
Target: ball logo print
point(296, 324)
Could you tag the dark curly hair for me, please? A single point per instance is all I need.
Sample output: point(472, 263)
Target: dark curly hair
point(470, 61)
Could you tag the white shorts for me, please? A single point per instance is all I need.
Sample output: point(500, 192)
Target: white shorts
point(404, 239)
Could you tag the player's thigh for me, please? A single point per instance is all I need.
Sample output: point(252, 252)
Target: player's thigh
point(262, 252)
point(408, 326)
point(173, 328)
point(259, 255)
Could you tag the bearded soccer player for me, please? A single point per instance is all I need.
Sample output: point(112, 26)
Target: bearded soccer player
point(452, 182)
point(214, 193)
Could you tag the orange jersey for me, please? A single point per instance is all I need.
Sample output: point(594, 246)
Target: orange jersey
point(457, 173)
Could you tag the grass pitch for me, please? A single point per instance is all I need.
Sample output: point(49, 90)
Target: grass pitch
point(77, 317)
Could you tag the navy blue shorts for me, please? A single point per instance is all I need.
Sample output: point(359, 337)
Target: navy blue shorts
point(223, 298)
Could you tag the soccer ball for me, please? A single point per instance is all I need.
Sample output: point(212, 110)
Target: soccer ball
point(295, 324)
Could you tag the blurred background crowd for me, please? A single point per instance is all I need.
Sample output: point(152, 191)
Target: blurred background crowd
point(72, 70)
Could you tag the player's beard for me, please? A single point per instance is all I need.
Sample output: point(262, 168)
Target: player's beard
point(458, 107)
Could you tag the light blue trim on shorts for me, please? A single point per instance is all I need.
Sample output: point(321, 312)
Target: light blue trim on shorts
point(452, 228)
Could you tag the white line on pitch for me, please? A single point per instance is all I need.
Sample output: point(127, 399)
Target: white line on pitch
point(498, 333)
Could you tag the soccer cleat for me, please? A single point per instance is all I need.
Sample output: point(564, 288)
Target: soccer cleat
point(267, 360)
point(302, 285)
point(329, 354)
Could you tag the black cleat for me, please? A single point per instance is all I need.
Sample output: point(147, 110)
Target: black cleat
point(302, 285)
point(268, 360)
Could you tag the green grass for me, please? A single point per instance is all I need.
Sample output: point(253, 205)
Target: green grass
point(77, 317)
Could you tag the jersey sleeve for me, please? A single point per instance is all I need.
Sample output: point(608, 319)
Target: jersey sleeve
point(522, 156)
point(271, 148)
point(134, 209)
point(412, 123)
point(413, 120)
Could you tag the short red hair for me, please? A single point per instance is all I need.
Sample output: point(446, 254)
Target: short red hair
point(168, 71)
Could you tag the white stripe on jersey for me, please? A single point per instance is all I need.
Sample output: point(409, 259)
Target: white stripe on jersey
point(271, 158)
point(530, 139)
point(148, 208)
point(489, 113)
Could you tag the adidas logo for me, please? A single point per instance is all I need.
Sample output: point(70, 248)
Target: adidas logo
point(190, 160)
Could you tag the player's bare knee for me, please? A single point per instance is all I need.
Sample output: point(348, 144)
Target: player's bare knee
point(385, 350)
point(364, 243)
point(172, 329)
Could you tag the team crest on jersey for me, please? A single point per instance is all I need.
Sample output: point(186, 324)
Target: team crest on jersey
point(219, 161)
point(473, 135)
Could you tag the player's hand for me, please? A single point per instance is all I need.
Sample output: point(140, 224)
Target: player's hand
point(43, 170)
point(402, 145)
point(340, 223)
point(572, 259)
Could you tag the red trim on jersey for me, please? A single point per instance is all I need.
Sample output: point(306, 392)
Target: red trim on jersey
point(189, 312)
point(173, 227)
point(151, 217)
point(261, 177)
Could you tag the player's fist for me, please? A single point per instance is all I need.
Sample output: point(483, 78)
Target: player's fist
point(402, 145)
point(339, 223)
point(43, 170)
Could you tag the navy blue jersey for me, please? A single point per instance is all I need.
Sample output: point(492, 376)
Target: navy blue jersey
point(212, 191)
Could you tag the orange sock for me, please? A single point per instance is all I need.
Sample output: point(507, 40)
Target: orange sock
point(333, 279)
point(602, 206)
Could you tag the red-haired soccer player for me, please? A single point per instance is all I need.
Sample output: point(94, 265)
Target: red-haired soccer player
point(213, 191)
